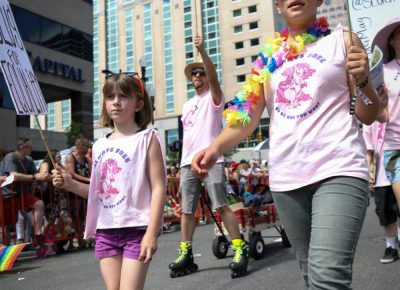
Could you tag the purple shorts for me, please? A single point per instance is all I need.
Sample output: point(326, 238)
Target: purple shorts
point(114, 242)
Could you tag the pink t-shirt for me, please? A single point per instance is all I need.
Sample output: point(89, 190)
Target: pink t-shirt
point(312, 134)
point(391, 72)
point(120, 191)
point(374, 136)
point(202, 123)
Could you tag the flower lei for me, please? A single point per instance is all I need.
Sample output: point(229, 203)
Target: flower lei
point(273, 53)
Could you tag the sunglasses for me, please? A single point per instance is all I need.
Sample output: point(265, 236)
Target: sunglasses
point(129, 74)
point(202, 73)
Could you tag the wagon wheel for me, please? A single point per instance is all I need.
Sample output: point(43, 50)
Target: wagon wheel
point(285, 239)
point(256, 247)
point(220, 247)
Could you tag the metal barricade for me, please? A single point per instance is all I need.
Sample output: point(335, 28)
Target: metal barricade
point(63, 213)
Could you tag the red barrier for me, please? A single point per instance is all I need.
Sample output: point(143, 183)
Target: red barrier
point(64, 213)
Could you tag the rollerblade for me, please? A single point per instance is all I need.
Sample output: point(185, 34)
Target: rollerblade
point(185, 262)
point(240, 259)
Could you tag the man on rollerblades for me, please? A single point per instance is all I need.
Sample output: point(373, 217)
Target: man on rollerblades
point(202, 123)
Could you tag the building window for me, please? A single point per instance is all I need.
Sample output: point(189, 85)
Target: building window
point(238, 29)
point(46, 32)
point(252, 9)
point(240, 61)
point(212, 35)
point(239, 45)
point(253, 25)
point(237, 12)
point(51, 118)
point(210, 4)
point(66, 113)
point(240, 78)
point(170, 137)
point(254, 58)
point(213, 51)
point(254, 41)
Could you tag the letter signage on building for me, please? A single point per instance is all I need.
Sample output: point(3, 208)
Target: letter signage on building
point(18, 73)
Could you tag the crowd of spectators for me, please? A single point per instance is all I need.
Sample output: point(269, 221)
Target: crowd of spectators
point(26, 219)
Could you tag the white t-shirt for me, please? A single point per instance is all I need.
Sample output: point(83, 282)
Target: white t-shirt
point(120, 191)
point(202, 123)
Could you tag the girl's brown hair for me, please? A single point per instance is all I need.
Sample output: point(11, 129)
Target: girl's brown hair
point(129, 85)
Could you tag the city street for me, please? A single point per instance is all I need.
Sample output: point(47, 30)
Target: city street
point(277, 270)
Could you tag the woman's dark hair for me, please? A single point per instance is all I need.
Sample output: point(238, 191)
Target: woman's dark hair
point(48, 160)
point(391, 52)
point(130, 86)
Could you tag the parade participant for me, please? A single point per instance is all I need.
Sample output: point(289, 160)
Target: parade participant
point(317, 167)
point(126, 195)
point(202, 122)
point(388, 40)
point(385, 200)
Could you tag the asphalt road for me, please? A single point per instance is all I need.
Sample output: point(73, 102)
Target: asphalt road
point(277, 270)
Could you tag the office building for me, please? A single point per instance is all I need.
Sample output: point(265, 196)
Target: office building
point(58, 38)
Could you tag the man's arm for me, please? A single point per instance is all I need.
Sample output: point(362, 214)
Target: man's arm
point(70, 168)
point(209, 67)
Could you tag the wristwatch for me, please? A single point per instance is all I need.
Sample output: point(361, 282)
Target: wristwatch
point(33, 176)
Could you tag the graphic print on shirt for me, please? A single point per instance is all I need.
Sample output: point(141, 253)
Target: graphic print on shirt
point(381, 132)
point(109, 170)
point(292, 91)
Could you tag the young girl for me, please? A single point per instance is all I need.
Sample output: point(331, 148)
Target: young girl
point(318, 170)
point(126, 195)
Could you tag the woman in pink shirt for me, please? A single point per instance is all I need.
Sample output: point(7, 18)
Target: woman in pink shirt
point(126, 195)
point(388, 40)
point(317, 168)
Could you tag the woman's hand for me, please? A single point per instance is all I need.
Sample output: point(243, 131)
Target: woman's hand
point(203, 160)
point(148, 247)
point(61, 178)
point(357, 64)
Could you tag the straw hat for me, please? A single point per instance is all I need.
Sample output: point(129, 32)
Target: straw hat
point(382, 36)
point(190, 67)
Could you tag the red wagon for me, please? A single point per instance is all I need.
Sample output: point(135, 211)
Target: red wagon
point(252, 221)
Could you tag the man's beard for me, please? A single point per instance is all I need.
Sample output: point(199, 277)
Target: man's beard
point(198, 85)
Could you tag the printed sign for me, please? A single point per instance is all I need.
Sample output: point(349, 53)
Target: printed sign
point(9, 180)
point(17, 70)
point(368, 16)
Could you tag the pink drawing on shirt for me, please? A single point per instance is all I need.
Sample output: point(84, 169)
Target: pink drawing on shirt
point(381, 131)
point(109, 170)
point(290, 91)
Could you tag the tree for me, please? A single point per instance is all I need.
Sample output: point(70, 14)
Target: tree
point(74, 131)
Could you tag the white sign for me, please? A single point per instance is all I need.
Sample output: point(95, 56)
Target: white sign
point(17, 70)
point(368, 16)
point(9, 180)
